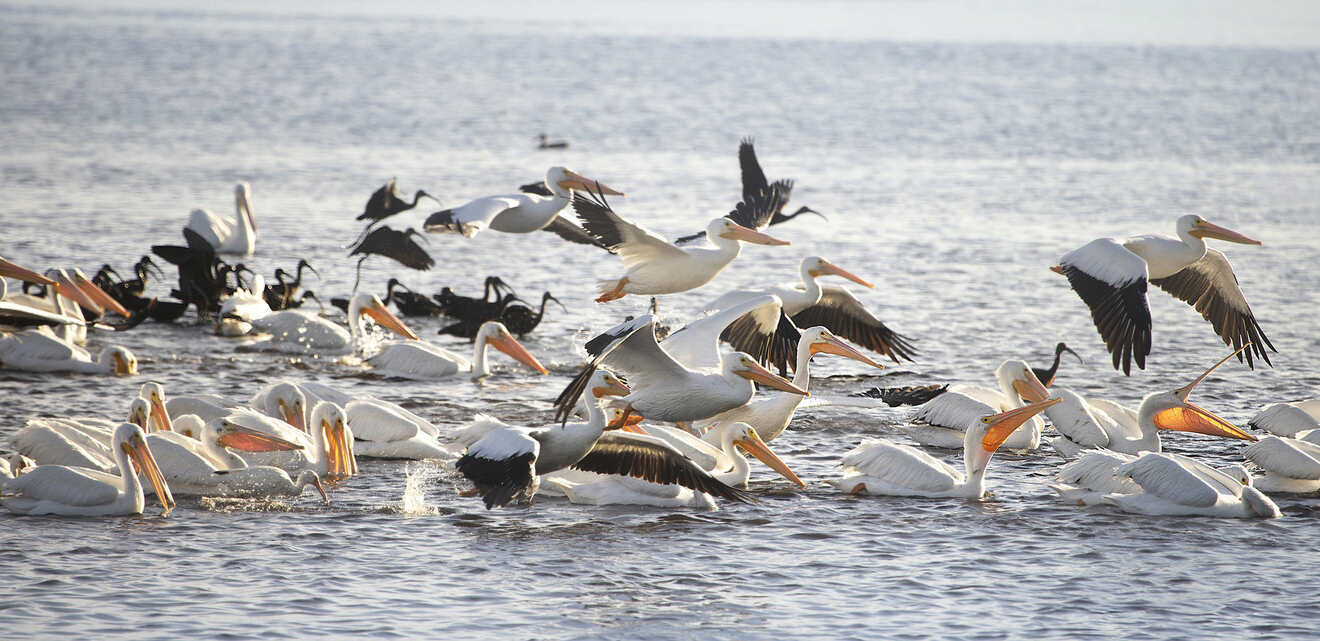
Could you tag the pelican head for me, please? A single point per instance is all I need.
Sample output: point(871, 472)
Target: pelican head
point(132, 441)
point(605, 383)
point(243, 203)
point(371, 305)
point(189, 425)
point(1016, 375)
point(726, 228)
point(821, 340)
point(308, 477)
point(817, 266)
point(564, 180)
point(495, 334)
point(745, 436)
point(119, 360)
point(291, 404)
point(337, 438)
point(742, 364)
point(154, 395)
point(138, 411)
point(985, 436)
point(629, 424)
point(1202, 228)
point(1172, 411)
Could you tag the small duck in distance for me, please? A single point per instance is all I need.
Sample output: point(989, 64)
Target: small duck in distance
point(546, 143)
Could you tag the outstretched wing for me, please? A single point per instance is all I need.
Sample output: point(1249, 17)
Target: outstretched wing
point(566, 229)
point(651, 459)
point(697, 344)
point(501, 464)
point(473, 217)
point(633, 243)
point(841, 313)
point(629, 347)
point(753, 179)
point(1210, 286)
point(1111, 280)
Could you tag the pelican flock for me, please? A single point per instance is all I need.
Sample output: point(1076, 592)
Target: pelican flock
point(647, 415)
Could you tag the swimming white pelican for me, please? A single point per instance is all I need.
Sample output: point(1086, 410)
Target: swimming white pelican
point(228, 236)
point(1287, 419)
point(772, 414)
point(51, 441)
point(1086, 480)
point(421, 360)
point(664, 389)
point(385, 430)
point(326, 445)
point(940, 422)
point(515, 213)
point(247, 304)
point(1110, 277)
point(808, 304)
point(72, 491)
point(1174, 485)
point(206, 467)
point(301, 332)
point(38, 351)
point(893, 469)
point(654, 265)
point(1290, 465)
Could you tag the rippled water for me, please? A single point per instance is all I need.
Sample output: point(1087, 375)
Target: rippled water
point(952, 176)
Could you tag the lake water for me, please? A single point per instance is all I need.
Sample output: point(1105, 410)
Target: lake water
point(953, 175)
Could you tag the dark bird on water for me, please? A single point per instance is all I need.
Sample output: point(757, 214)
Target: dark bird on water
point(544, 142)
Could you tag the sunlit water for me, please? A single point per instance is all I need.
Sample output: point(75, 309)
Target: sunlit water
point(952, 176)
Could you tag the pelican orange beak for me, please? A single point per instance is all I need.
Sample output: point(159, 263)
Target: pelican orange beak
point(137, 449)
point(97, 294)
point(749, 235)
point(389, 321)
point(757, 447)
point(1205, 229)
point(336, 465)
point(292, 417)
point(1030, 388)
point(611, 388)
point(249, 440)
point(1190, 418)
point(1002, 425)
point(754, 372)
point(1186, 390)
point(582, 183)
point(342, 447)
point(630, 424)
point(827, 267)
point(158, 412)
point(507, 344)
point(127, 367)
point(829, 344)
point(14, 270)
point(68, 289)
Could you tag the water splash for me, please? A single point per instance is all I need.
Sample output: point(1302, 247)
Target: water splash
point(416, 476)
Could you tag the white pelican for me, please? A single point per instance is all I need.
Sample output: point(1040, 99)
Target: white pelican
point(228, 236)
point(1287, 419)
point(808, 304)
point(14, 464)
point(301, 332)
point(1290, 465)
point(205, 467)
point(893, 469)
point(384, 430)
point(1086, 480)
point(326, 445)
point(421, 360)
point(664, 389)
point(515, 213)
point(1110, 277)
point(941, 421)
point(17, 314)
point(56, 442)
point(1175, 485)
point(38, 351)
point(590, 488)
point(247, 304)
point(772, 414)
point(718, 453)
point(654, 265)
point(71, 491)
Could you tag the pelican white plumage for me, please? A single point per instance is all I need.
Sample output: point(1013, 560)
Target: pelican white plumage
point(1090, 477)
point(299, 332)
point(1290, 465)
point(1110, 276)
point(718, 452)
point(385, 430)
point(40, 351)
point(1173, 485)
point(893, 469)
point(206, 466)
point(664, 389)
point(941, 421)
point(14, 464)
point(424, 361)
point(23, 310)
point(247, 304)
point(236, 235)
point(73, 491)
point(515, 213)
point(1287, 419)
point(590, 488)
point(654, 265)
point(772, 414)
point(326, 446)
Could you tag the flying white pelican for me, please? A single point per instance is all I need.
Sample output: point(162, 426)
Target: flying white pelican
point(72, 491)
point(228, 236)
point(39, 351)
point(808, 304)
point(1174, 485)
point(1290, 465)
point(1094, 474)
point(941, 421)
point(301, 332)
point(1110, 277)
point(1287, 419)
point(516, 213)
point(772, 414)
point(421, 360)
point(654, 265)
point(893, 469)
point(664, 389)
